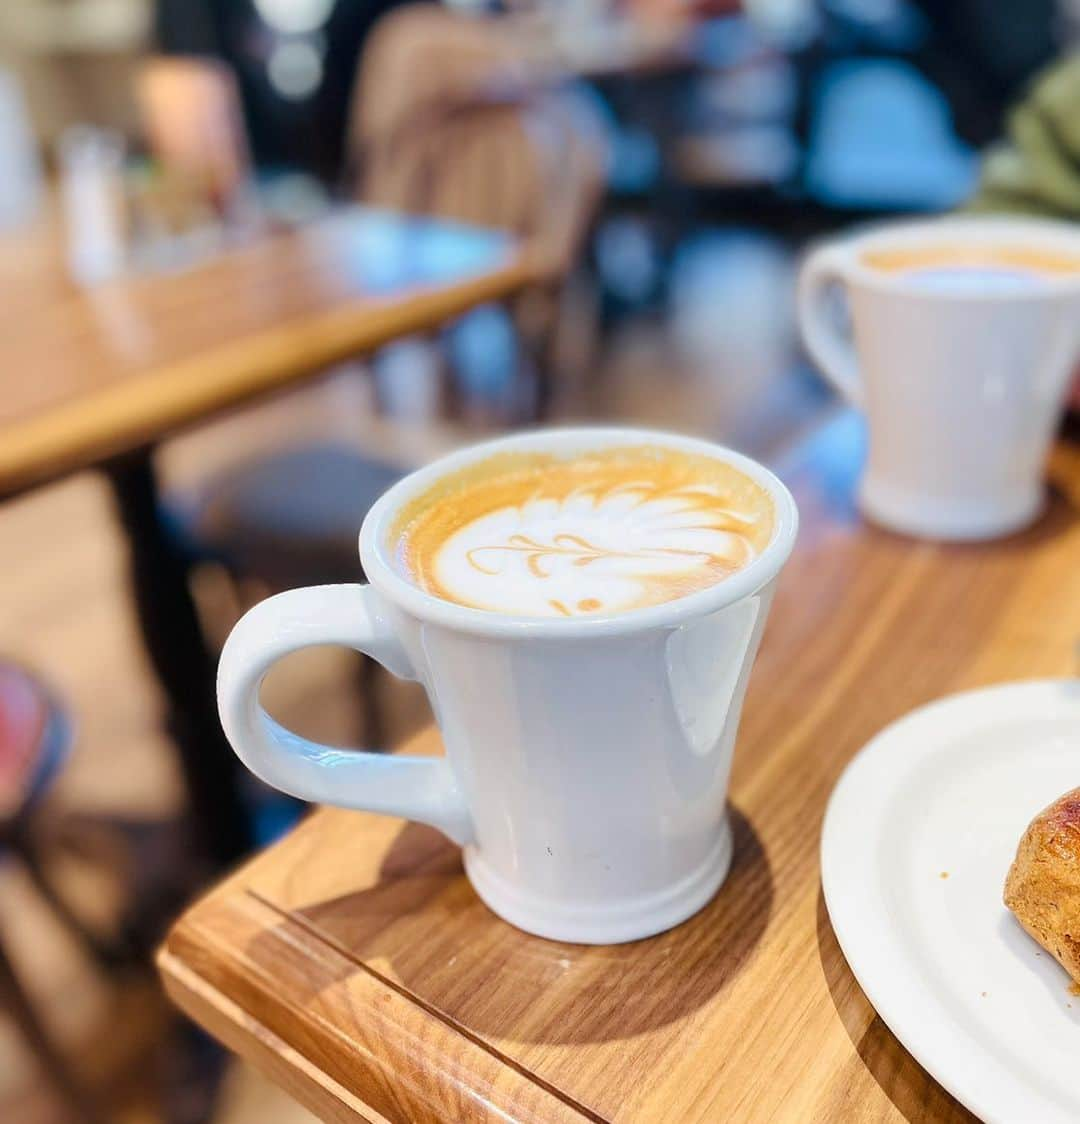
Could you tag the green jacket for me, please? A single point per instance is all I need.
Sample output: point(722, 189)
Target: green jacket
point(1036, 169)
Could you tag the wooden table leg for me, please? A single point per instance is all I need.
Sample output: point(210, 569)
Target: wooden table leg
point(175, 645)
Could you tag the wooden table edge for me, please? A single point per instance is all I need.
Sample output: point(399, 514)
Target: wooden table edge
point(241, 1032)
point(133, 413)
point(405, 1032)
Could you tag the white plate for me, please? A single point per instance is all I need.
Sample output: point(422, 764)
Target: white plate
point(950, 788)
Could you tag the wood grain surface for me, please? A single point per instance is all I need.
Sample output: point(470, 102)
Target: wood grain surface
point(91, 373)
point(353, 962)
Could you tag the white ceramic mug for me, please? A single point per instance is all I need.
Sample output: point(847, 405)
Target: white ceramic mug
point(587, 759)
point(962, 388)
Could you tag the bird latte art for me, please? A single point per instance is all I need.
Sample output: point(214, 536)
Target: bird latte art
point(598, 532)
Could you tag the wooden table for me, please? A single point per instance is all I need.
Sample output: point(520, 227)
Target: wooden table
point(92, 373)
point(95, 377)
point(354, 965)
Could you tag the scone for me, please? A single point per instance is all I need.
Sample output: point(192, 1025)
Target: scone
point(1043, 886)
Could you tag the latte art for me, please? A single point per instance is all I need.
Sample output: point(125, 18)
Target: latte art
point(600, 533)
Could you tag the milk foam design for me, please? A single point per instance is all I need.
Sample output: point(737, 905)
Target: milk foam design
point(976, 266)
point(602, 531)
point(594, 551)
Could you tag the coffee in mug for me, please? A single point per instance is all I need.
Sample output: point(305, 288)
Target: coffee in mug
point(604, 531)
point(965, 335)
point(958, 268)
point(587, 750)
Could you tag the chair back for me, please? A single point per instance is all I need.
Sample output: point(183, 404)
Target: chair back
point(450, 120)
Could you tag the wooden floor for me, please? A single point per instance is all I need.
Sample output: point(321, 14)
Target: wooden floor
point(722, 364)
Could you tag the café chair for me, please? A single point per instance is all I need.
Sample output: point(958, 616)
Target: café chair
point(291, 518)
point(34, 741)
point(450, 120)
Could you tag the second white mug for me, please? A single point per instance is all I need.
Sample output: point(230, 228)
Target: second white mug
point(962, 372)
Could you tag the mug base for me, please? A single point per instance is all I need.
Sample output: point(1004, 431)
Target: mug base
point(629, 920)
point(926, 518)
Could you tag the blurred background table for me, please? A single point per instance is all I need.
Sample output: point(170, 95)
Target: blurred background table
point(96, 376)
point(353, 963)
point(98, 372)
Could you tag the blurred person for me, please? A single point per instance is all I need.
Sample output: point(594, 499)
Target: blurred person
point(295, 63)
point(190, 113)
point(1035, 168)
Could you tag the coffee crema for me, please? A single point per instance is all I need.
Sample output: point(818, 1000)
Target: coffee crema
point(606, 531)
point(973, 267)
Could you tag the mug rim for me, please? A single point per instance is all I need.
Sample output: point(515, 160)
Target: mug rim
point(384, 576)
point(974, 228)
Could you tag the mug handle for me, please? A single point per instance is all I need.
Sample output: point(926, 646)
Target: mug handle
point(833, 354)
point(415, 788)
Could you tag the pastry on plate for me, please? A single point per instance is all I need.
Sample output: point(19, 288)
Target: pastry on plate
point(1043, 886)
